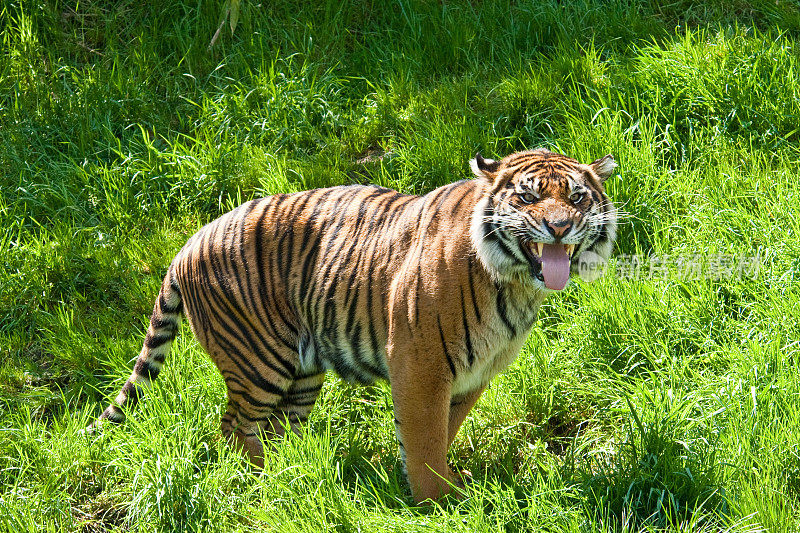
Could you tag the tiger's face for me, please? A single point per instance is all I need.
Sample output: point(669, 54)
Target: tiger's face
point(542, 211)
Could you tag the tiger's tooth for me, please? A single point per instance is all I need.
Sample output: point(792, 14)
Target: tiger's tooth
point(570, 248)
point(538, 248)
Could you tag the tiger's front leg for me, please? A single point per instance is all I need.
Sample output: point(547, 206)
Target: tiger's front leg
point(459, 409)
point(421, 399)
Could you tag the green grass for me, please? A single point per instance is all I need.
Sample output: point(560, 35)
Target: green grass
point(646, 404)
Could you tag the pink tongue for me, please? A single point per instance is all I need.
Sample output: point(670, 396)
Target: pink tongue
point(555, 266)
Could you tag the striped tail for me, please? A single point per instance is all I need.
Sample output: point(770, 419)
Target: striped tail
point(163, 328)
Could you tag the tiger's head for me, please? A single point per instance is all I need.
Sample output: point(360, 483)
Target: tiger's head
point(540, 212)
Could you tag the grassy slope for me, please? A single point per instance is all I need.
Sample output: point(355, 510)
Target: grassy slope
point(636, 404)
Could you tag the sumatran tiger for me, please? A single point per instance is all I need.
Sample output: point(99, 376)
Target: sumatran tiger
point(434, 293)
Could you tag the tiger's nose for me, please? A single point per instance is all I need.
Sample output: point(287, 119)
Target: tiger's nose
point(559, 228)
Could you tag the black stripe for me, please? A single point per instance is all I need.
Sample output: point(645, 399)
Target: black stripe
point(499, 241)
point(191, 296)
point(359, 357)
point(267, 321)
point(528, 165)
point(370, 238)
point(502, 310)
point(165, 307)
point(154, 341)
point(444, 346)
point(373, 339)
point(350, 247)
point(288, 254)
point(113, 413)
point(266, 301)
point(301, 403)
point(459, 400)
point(144, 368)
point(309, 232)
point(366, 260)
point(159, 321)
point(305, 390)
point(305, 271)
point(337, 225)
point(132, 392)
point(243, 391)
point(387, 223)
point(471, 279)
point(173, 282)
point(212, 258)
point(488, 227)
point(230, 248)
point(442, 195)
point(330, 262)
point(344, 369)
point(246, 368)
point(470, 353)
point(233, 253)
point(351, 308)
point(457, 204)
point(191, 292)
point(374, 344)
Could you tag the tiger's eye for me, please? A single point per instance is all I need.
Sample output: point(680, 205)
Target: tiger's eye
point(528, 197)
point(576, 197)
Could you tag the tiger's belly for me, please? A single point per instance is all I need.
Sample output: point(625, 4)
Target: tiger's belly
point(355, 363)
point(352, 359)
point(357, 352)
point(365, 368)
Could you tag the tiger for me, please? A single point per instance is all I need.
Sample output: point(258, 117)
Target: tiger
point(434, 293)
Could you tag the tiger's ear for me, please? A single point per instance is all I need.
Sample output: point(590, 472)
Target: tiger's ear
point(604, 167)
point(484, 168)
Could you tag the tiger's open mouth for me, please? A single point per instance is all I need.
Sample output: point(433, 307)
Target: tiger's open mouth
point(549, 263)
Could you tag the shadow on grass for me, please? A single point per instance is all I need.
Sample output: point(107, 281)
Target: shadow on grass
point(665, 472)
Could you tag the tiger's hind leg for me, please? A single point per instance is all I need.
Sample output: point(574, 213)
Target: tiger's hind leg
point(248, 421)
point(242, 433)
point(296, 406)
point(244, 421)
point(254, 396)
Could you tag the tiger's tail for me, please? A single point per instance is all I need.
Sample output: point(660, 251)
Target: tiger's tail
point(163, 329)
